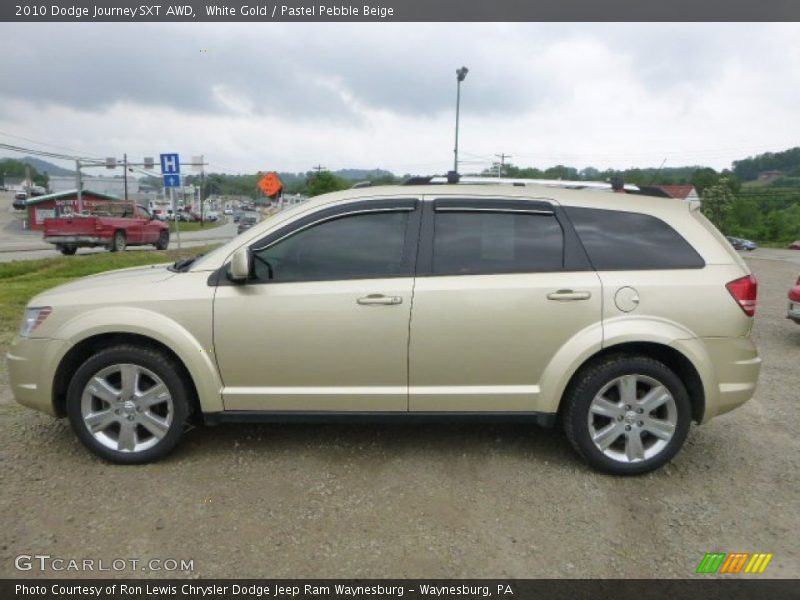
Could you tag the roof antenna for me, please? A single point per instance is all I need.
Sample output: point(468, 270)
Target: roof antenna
point(453, 177)
point(655, 175)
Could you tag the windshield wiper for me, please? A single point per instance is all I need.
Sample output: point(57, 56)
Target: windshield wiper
point(182, 265)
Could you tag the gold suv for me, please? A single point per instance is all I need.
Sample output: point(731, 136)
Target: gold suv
point(621, 316)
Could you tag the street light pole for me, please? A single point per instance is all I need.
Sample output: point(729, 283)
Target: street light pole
point(460, 75)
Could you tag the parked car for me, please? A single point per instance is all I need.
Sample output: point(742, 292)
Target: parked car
point(742, 244)
point(246, 222)
point(793, 311)
point(19, 203)
point(20, 196)
point(212, 216)
point(238, 215)
point(115, 233)
point(621, 318)
point(228, 211)
point(795, 245)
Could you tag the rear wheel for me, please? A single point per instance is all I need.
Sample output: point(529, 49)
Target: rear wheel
point(163, 240)
point(627, 415)
point(118, 242)
point(128, 404)
point(68, 250)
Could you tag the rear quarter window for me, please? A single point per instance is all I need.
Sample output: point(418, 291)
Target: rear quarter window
point(624, 241)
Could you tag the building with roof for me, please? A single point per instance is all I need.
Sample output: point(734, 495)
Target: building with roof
point(64, 203)
point(682, 192)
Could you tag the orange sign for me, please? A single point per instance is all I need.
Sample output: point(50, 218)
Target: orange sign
point(270, 184)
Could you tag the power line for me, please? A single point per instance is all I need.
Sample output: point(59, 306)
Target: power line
point(48, 154)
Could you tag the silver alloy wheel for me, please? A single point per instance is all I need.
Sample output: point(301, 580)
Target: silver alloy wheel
point(127, 408)
point(632, 418)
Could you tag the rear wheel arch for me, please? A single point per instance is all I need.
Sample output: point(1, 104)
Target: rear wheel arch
point(672, 358)
point(83, 350)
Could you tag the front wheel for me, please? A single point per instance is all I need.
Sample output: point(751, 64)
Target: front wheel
point(627, 415)
point(68, 250)
point(128, 404)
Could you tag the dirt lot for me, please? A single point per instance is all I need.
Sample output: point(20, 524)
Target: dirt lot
point(383, 501)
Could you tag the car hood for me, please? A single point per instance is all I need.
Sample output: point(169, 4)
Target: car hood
point(132, 280)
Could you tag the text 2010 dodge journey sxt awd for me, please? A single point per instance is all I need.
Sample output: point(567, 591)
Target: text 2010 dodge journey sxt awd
point(623, 317)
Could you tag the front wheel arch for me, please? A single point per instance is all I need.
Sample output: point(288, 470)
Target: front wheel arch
point(84, 349)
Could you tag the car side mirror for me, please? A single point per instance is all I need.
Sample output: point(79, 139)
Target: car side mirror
point(240, 265)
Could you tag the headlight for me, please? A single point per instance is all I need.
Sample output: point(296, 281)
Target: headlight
point(34, 317)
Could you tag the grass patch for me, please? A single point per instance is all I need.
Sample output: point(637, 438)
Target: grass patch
point(21, 280)
point(196, 226)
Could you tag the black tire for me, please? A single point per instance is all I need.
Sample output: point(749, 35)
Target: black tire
point(591, 381)
point(163, 240)
point(119, 242)
point(68, 250)
point(141, 357)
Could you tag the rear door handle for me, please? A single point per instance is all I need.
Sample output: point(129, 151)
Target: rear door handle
point(568, 295)
point(379, 299)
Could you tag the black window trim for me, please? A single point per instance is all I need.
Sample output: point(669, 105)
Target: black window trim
point(574, 257)
point(335, 217)
point(408, 204)
point(528, 211)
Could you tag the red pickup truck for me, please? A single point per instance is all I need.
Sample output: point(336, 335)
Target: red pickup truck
point(69, 233)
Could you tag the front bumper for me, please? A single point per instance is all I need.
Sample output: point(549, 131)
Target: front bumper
point(32, 365)
point(793, 312)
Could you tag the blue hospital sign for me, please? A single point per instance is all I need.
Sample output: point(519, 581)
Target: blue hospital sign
point(171, 170)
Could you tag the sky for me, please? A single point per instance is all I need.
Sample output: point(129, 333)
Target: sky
point(289, 96)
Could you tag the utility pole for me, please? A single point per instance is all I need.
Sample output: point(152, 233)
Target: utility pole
point(319, 168)
point(460, 75)
point(125, 170)
point(175, 216)
point(79, 185)
point(502, 156)
point(202, 182)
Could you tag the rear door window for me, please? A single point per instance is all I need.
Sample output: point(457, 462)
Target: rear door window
point(484, 241)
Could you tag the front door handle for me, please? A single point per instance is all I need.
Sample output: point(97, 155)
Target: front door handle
point(379, 299)
point(567, 295)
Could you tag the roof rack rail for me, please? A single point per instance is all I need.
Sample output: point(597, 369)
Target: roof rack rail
point(557, 183)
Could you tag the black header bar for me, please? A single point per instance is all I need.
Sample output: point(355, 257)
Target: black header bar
point(705, 588)
point(132, 11)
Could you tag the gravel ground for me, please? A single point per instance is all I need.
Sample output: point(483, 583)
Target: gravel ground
point(409, 501)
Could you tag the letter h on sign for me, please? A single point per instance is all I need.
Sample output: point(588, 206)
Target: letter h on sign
point(171, 170)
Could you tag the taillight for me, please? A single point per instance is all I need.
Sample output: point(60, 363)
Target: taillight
point(744, 290)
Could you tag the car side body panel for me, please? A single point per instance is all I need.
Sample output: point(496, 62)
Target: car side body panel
point(482, 342)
